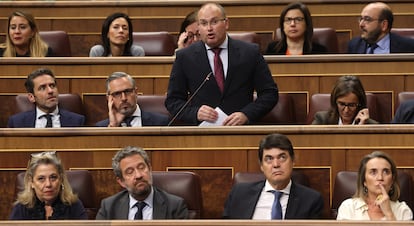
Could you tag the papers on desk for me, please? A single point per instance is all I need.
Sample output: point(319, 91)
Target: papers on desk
point(221, 117)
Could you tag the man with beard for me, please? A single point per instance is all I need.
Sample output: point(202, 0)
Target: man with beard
point(376, 36)
point(276, 197)
point(140, 200)
point(123, 110)
point(42, 90)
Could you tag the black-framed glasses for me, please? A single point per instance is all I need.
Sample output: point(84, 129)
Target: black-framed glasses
point(191, 35)
point(212, 22)
point(126, 92)
point(367, 19)
point(343, 105)
point(295, 20)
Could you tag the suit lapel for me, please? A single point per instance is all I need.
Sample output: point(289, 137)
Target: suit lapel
point(31, 120)
point(160, 208)
point(293, 203)
point(123, 207)
point(252, 197)
point(233, 59)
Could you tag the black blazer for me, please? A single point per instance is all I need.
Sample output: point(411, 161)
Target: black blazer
point(247, 72)
point(316, 49)
point(398, 44)
point(148, 119)
point(303, 203)
point(28, 119)
point(404, 113)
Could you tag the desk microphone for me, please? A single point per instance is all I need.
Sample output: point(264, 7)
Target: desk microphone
point(189, 99)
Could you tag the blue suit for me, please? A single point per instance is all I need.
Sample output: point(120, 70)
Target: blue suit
point(28, 119)
point(303, 203)
point(147, 118)
point(404, 113)
point(398, 44)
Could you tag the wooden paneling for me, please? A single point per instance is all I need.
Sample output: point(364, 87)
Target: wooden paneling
point(214, 153)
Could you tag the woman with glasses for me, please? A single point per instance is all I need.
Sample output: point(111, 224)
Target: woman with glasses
point(47, 194)
point(348, 104)
point(116, 38)
point(296, 31)
point(188, 31)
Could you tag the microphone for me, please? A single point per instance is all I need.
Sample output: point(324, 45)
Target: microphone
point(189, 99)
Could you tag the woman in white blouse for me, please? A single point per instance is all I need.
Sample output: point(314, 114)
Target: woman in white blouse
point(377, 192)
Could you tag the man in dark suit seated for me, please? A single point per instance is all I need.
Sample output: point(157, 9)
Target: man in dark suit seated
point(277, 197)
point(42, 90)
point(404, 113)
point(140, 200)
point(239, 70)
point(376, 36)
point(123, 109)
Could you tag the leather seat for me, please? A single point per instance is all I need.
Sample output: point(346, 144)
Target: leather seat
point(405, 32)
point(248, 177)
point(346, 182)
point(403, 96)
point(324, 36)
point(282, 113)
point(68, 101)
point(58, 41)
point(251, 37)
point(186, 185)
point(82, 184)
point(322, 102)
point(159, 43)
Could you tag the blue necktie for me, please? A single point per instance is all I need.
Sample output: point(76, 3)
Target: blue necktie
point(276, 207)
point(372, 47)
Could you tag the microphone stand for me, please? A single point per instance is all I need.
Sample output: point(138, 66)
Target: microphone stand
point(189, 99)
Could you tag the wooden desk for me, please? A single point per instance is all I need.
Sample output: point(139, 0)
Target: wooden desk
point(213, 153)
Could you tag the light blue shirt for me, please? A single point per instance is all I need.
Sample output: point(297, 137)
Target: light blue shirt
point(383, 46)
point(146, 211)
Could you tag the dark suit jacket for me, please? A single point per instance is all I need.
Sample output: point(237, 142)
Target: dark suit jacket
point(316, 49)
point(303, 203)
point(322, 118)
point(28, 119)
point(404, 113)
point(398, 44)
point(148, 119)
point(247, 72)
point(166, 206)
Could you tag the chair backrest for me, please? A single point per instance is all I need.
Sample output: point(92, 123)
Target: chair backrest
point(322, 102)
point(247, 36)
point(58, 41)
point(324, 36)
point(403, 96)
point(346, 182)
point(183, 184)
point(82, 184)
point(282, 113)
point(67, 101)
point(247, 177)
point(405, 32)
point(153, 103)
point(159, 43)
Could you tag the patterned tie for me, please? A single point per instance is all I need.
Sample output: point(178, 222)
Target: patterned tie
point(49, 123)
point(276, 207)
point(218, 69)
point(140, 206)
point(372, 47)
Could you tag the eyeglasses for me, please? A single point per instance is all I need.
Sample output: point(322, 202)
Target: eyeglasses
point(367, 19)
point(191, 35)
point(296, 20)
point(351, 106)
point(126, 92)
point(41, 154)
point(213, 22)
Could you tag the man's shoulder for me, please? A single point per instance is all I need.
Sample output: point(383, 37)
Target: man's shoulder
point(306, 191)
point(166, 195)
point(116, 197)
point(24, 114)
point(103, 123)
point(70, 113)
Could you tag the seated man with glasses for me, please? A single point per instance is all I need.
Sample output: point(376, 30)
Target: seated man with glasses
point(348, 104)
point(376, 36)
point(123, 109)
point(296, 32)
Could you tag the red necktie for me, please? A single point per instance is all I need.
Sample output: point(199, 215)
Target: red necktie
point(218, 69)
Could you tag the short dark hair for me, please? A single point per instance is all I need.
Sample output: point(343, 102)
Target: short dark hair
point(36, 73)
point(386, 14)
point(189, 19)
point(276, 140)
point(105, 29)
point(126, 152)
